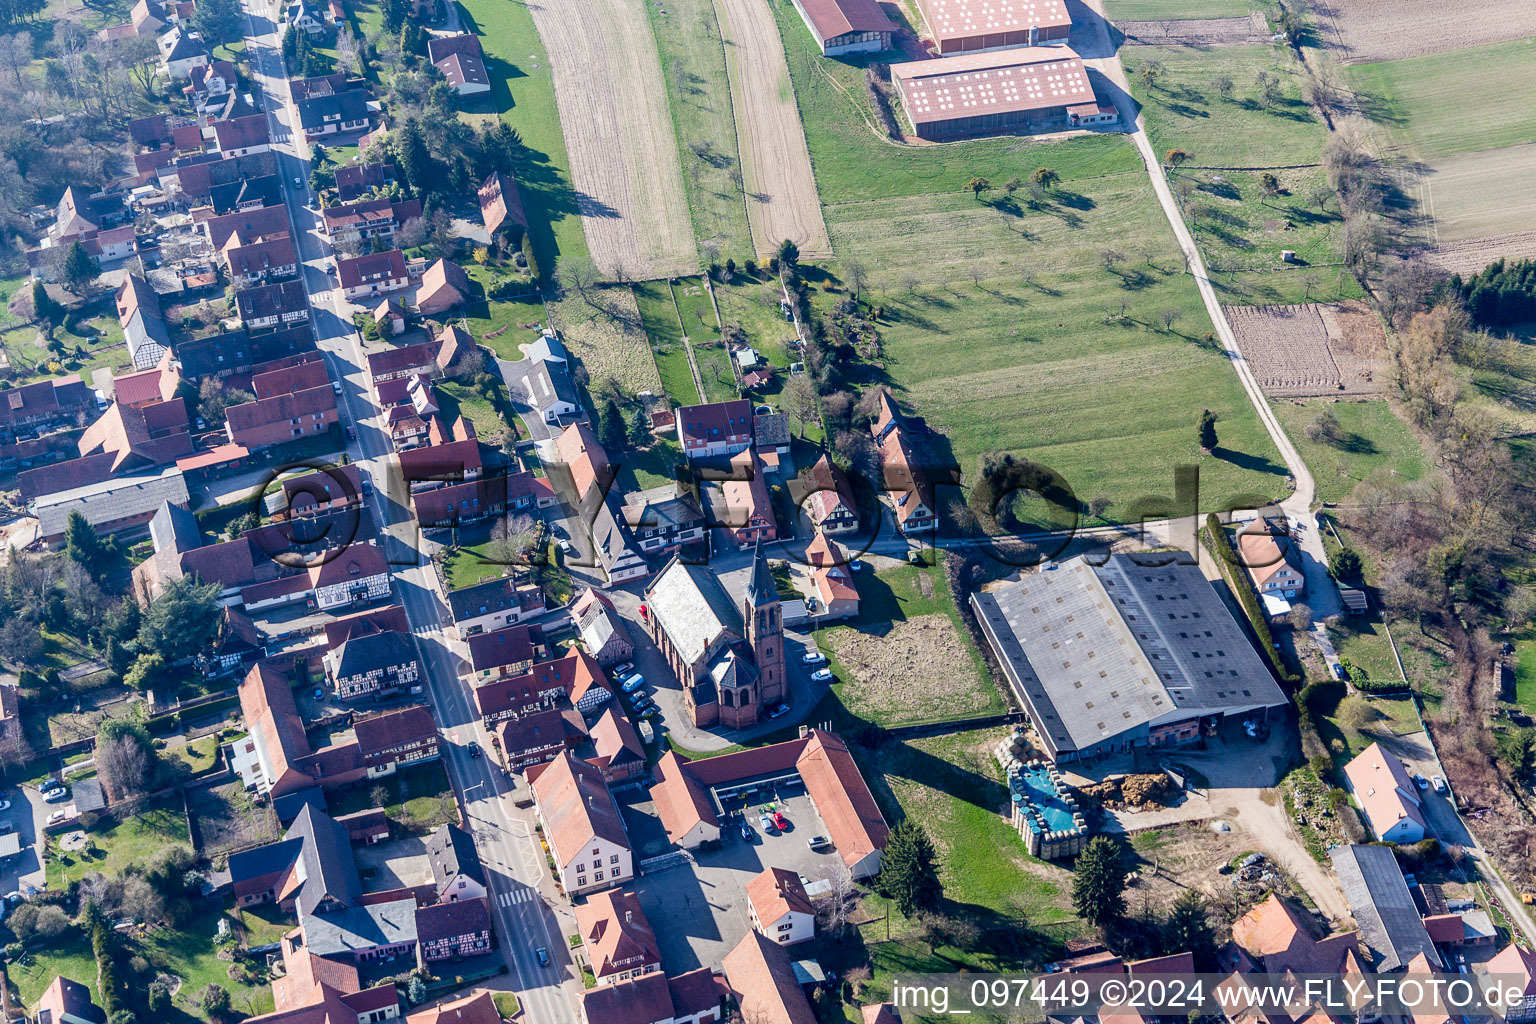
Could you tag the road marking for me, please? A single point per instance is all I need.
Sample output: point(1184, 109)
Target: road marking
point(507, 899)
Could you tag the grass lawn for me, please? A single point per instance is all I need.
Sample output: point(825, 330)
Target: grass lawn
point(1423, 102)
point(1525, 672)
point(198, 755)
point(72, 959)
point(506, 1004)
point(753, 305)
point(698, 93)
point(499, 324)
point(1373, 439)
point(854, 161)
point(1239, 227)
point(1003, 329)
point(189, 951)
point(466, 567)
point(263, 923)
point(603, 331)
point(652, 467)
point(134, 840)
point(1184, 110)
point(99, 345)
point(1362, 639)
point(1284, 287)
point(1178, 10)
point(456, 399)
point(658, 316)
point(523, 95)
point(418, 796)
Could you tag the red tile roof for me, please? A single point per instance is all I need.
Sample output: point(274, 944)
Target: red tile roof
point(576, 807)
point(762, 979)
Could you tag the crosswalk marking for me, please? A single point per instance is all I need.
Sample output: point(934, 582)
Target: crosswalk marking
point(506, 899)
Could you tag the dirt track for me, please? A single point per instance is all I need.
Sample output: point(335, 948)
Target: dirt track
point(1368, 30)
point(1197, 32)
point(618, 132)
point(782, 201)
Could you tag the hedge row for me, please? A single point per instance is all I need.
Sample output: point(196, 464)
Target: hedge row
point(1221, 547)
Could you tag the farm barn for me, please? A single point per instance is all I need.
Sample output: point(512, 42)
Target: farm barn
point(847, 26)
point(1035, 89)
point(966, 26)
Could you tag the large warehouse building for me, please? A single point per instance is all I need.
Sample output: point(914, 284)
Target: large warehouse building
point(1035, 89)
point(1106, 658)
point(965, 26)
point(847, 26)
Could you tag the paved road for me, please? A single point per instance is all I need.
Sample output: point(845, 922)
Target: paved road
point(503, 833)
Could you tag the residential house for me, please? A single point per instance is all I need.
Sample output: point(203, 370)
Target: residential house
point(281, 418)
point(742, 505)
point(404, 361)
point(456, 868)
point(574, 677)
point(334, 114)
point(181, 50)
point(372, 275)
point(582, 826)
point(836, 596)
point(616, 751)
point(68, 1002)
point(1276, 937)
point(1388, 798)
point(501, 208)
point(616, 937)
point(355, 181)
point(373, 663)
point(238, 354)
point(243, 225)
point(210, 84)
point(368, 219)
point(444, 285)
point(779, 908)
point(44, 406)
point(461, 62)
point(303, 15)
point(493, 604)
point(663, 519)
point(476, 1008)
point(716, 429)
point(242, 136)
point(273, 305)
point(762, 981)
point(392, 739)
point(260, 261)
point(1391, 929)
point(1273, 563)
point(828, 498)
point(654, 998)
point(905, 479)
point(454, 930)
point(144, 330)
point(551, 391)
point(486, 497)
point(504, 652)
point(602, 629)
point(537, 736)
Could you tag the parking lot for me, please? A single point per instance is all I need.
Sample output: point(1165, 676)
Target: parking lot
point(699, 911)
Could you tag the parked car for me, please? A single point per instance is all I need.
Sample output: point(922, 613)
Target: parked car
point(351, 433)
point(782, 709)
point(367, 485)
point(780, 820)
point(54, 796)
point(5, 805)
point(1420, 781)
point(543, 955)
point(644, 705)
point(1439, 783)
point(821, 675)
point(336, 386)
point(633, 683)
point(856, 566)
point(621, 670)
point(765, 823)
point(319, 693)
point(1338, 672)
point(51, 782)
point(813, 658)
point(746, 832)
point(474, 750)
point(298, 182)
point(818, 842)
point(57, 816)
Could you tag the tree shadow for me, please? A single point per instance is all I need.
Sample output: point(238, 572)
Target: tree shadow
point(1245, 460)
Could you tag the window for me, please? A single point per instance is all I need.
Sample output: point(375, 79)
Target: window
point(598, 876)
point(581, 879)
point(613, 859)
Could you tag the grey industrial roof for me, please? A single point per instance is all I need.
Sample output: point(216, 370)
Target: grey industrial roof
point(1097, 651)
point(110, 500)
point(691, 605)
point(1382, 906)
point(358, 929)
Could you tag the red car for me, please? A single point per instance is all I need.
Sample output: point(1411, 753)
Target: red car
point(780, 820)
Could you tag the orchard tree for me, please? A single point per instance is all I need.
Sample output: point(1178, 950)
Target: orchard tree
point(977, 186)
point(1206, 428)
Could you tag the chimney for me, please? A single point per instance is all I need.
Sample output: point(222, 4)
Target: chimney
point(804, 731)
point(629, 916)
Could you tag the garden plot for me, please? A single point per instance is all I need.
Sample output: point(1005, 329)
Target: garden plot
point(1311, 349)
point(1365, 30)
point(607, 336)
point(910, 671)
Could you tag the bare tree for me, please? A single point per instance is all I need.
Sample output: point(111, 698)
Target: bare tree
point(511, 537)
point(800, 399)
point(1169, 317)
point(858, 275)
point(839, 902)
point(910, 281)
point(577, 272)
point(1301, 617)
point(124, 766)
point(1109, 257)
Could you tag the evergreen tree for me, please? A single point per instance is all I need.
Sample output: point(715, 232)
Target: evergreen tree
point(218, 21)
point(639, 429)
point(1345, 564)
point(395, 12)
point(182, 620)
point(416, 161)
point(1188, 929)
point(1098, 885)
point(1207, 430)
point(909, 873)
point(45, 307)
point(80, 541)
point(534, 270)
point(610, 428)
point(80, 269)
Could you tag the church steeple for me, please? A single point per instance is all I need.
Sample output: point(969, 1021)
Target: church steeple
point(761, 589)
point(765, 630)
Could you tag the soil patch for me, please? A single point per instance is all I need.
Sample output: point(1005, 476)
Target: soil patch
point(917, 670)
point(1312, 349)
point(1197, 31)
point(1367, 30)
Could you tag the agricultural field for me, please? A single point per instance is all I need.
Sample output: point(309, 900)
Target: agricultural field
point(1242, 227)
point(1371, 439)
point(854, 161)
point(1004, 329)
point(1179, 10)
point(523, 95)
point(618, 133)
point(606, 336)
point(1198, 32)
point(1422, 103)
point(1185, 110)
point(687, 35)
point(781, 196)
point(1374, 30)
point(1483, 195)
point(1301, 351)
